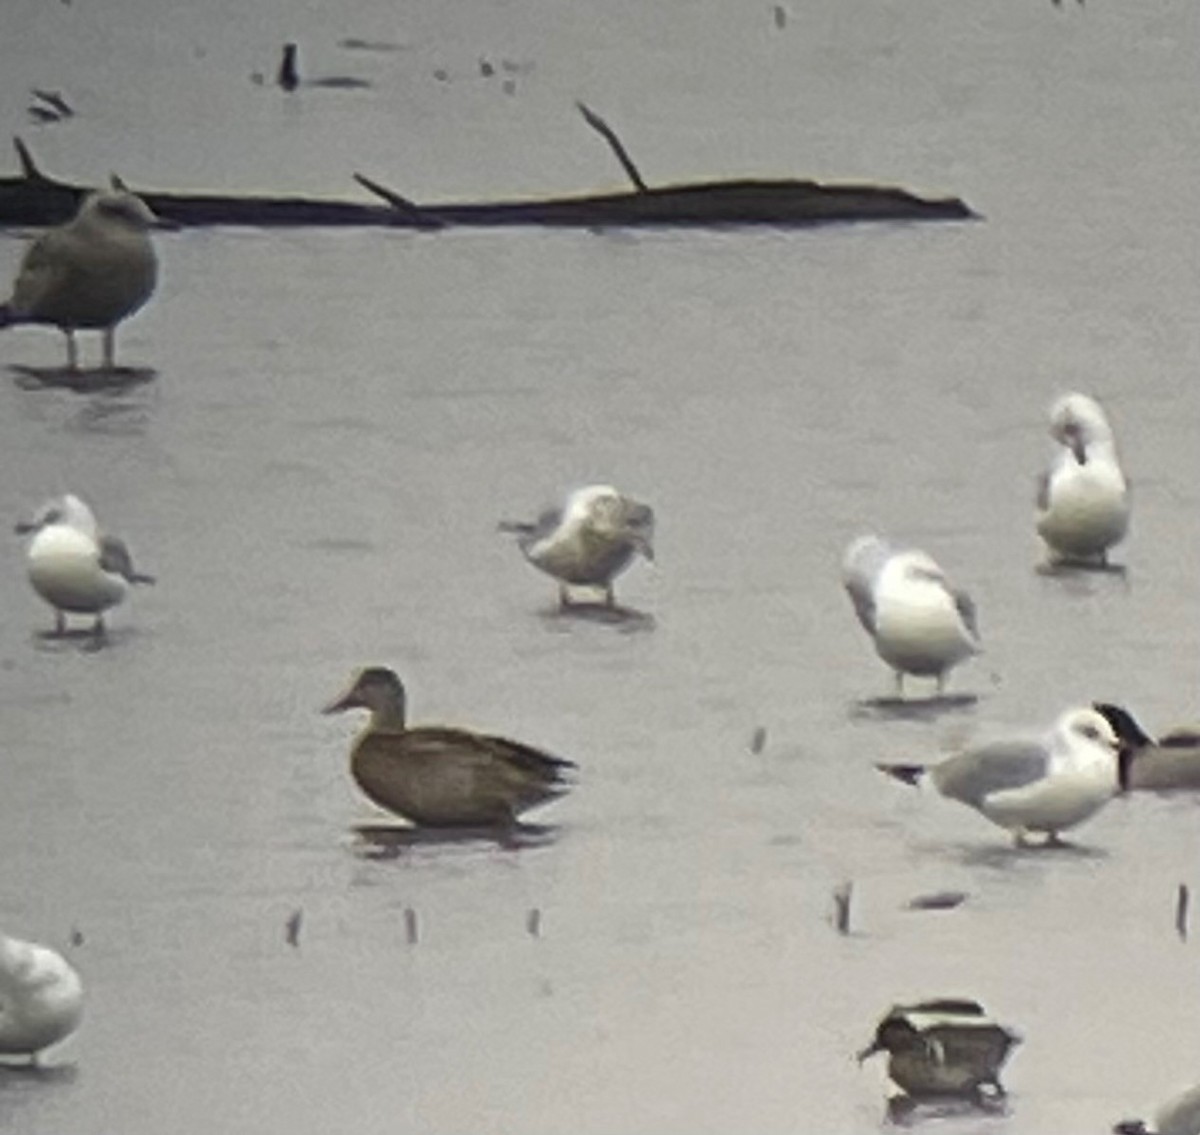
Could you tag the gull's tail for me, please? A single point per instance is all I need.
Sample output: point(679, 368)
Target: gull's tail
point(7, 318)
point(519, 527)
point(908, 774)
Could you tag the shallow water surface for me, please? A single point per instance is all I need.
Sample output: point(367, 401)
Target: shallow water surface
point(336, 422)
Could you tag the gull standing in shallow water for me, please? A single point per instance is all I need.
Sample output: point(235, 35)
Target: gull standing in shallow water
point(588, 542)
point(90, 273)
point(41, 998)
point(1033, 786)
point(1083, 499)
point(919, 622)
point(73, 566)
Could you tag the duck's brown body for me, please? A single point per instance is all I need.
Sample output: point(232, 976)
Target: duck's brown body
point(438, 776)
point(441, 776)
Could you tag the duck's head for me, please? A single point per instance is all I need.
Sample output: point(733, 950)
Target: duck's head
point(896, 1033)
point(1132, 737)
point(68, 510)
point(1077, 421)
point(375, 688)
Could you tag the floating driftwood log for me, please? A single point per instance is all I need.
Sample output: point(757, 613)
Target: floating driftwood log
point(33, 198)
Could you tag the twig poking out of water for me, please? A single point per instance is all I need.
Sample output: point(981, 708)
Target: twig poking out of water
point(1181, 912)
point(292, 927)
point(76, 936)
point(780, 16)
point(758, 742)
point(841, 906)
point(410, 926)
point(533, 922)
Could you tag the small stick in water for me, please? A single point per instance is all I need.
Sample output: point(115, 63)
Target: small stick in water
point(410, 925)
point(759, 741)
point(292, 931)
point(533, 922)
point(1181, 912)
point(841, 906)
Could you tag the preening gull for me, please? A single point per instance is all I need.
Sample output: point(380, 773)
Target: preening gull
point(41, 998)
point(91, 273)
point(1033, 786)
point(920, 623)
point(439, 776)
point(589, 541)
point(1083, 498)
point(943, 1047)
point(73, 565)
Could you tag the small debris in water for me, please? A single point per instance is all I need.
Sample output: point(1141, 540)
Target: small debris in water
point(76, 936)
point(533, 922)
point(780, 16)
point(1181, 912)
point(758, 741)
point(937, 900)
point(292, 927)
point(841, 906)
point(410, 926)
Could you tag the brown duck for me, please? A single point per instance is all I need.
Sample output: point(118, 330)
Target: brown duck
point(439, 776)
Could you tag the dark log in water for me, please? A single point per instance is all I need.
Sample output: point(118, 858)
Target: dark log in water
point(36, 199)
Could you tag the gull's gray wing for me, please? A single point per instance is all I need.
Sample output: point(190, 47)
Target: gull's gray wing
point(529, 531)
point(863, 598)
point(967, 610)
point(1043, 491)
point(993, 767)
point(115, 557)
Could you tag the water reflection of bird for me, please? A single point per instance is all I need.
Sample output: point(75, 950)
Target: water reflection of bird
point(1083, 499)
point(919, 622)
point(75, 567)
point(440, 776)
point(1031, 787)
point(93, 272)
point(944, 1047)
point(1158, 764)
point(41, 998)
point(589, 541)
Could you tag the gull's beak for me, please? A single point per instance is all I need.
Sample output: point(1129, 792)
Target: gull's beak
point(644, 544)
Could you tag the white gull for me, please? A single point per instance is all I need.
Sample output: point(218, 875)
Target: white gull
point(1083, 499)
point(589, 541)
point(90, 273)
point(919, 622)
point(1032, 786)
point(73, 566)
point(41, 998)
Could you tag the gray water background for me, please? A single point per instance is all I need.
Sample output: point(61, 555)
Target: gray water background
point(340, 417)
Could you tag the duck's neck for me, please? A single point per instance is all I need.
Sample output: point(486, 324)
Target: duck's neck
point(388, 718)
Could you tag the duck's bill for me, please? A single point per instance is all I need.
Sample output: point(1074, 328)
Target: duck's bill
point(643, 544)
point(342, 703)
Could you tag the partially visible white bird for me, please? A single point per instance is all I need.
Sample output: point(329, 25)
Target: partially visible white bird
point(589, 541)
point(1178, 1116)
point(1083, 499)
point(920, 623)
point(92, 272)
point(73, 566)
point(41, 998)
point(1033, 786)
